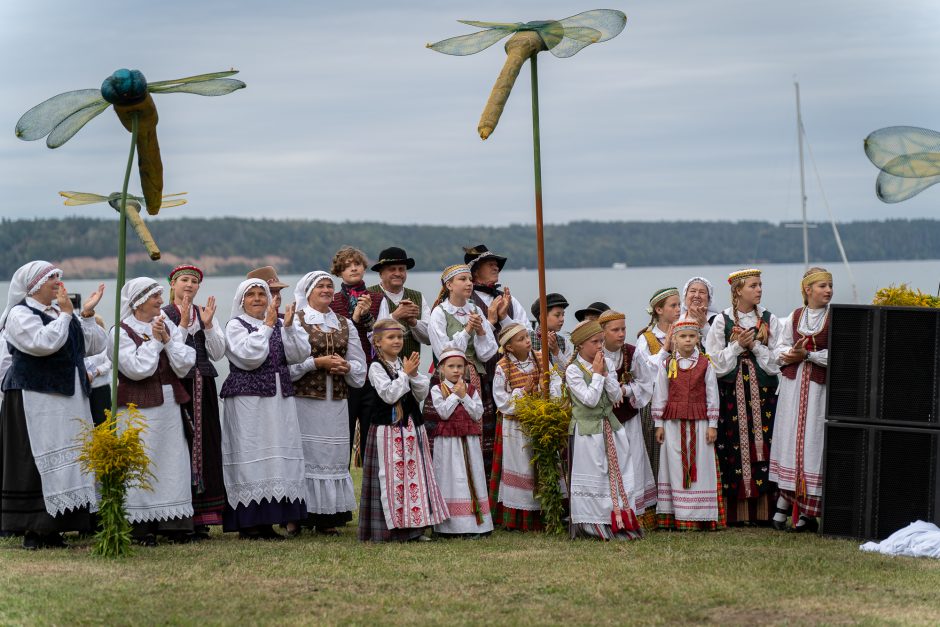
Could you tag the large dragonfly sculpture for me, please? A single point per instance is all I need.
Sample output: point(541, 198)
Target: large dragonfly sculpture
point(60, 117)
point(73, 199)
point(563, 38)
point(909, 160)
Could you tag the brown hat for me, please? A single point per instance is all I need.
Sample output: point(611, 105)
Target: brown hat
point(269, 275)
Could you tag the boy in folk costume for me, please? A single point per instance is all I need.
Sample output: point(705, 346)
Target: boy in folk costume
point(796, 454)
point(685, 408)
point(602, 481)
point(742, 344)
point(635, 377)
point(397, 505)
point(559, 347)
point(512, 480)
point(458, 458)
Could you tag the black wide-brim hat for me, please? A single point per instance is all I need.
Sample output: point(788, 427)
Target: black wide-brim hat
point(391, 256)
point(595, 308)
point(480, 252)
point(553, 299)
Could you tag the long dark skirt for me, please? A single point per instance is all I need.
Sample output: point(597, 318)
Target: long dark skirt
point(372, 525)
point(22, 507)
point(209, 497)
point(488, 422)
point(745, 501)
point(264, 513)
point(99, 401)
point(354, 398)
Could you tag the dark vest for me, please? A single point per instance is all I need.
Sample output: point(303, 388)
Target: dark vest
point(765, 380)
point(262, 380)
point(687, 393)
point(340, 306)
point(490, 365)
point(817, 342)
point(380, 413)
point(149, 392)
point(197, 340)
point(411, 345)
point(53, 373)
point(625, 411)
point(460, 423)
point(313, 383)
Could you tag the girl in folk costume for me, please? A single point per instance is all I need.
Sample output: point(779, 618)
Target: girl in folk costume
point(512, 481)
point(321, 388)
point(698, 294)
point(400, 495)
point(43, 491)
point(262, 454)
point(742, 344)
point(685, 408)
point(602, 482)
point(458, 459)
point(201, 412)
point(152, 356)
point(635, 377)
point(796, 456)
point(664, 310)
point(457, 322)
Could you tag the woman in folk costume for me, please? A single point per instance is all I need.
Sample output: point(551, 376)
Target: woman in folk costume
point(321, 388)
point(43, 491)
point(742, 344)
point(636, 379)
point(685, 408)
point(603, 504)
point(458, 459)
point(512, 480)
point(664, 310)
point(698, 295)
point(262, 453)
point(796, 456)
point(152, 357)
point(201, 412)
point(400, 495)
point(456, 321)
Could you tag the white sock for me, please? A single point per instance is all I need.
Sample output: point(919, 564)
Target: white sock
point(782, 503)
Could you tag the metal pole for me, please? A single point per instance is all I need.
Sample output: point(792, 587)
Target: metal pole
point(539, 236)
point(799, 135)
point(122, 259)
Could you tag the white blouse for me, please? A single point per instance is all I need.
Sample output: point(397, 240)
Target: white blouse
point(215, 337)
point(811, 322)
point(639, 391)
point(248, 350)
point(643, 349)
point(139, 362)
point(725, 357)
point(327, 322)
point(485, 345)
point(590, 394)
point(519, 313)
point(26, 332)
point(390, 390)
point(505, 399)
point(445, 406)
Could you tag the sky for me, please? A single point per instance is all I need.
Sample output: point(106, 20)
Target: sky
point(689, 114)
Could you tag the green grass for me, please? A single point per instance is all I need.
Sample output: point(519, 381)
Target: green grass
point(736, 576)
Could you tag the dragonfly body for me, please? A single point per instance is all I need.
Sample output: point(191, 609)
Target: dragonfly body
point(520, 47)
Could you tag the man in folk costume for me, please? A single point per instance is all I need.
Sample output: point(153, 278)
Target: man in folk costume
point(201, 412)
point(43, 491)
point(796, 454)
point(152, 356)
point(498, 305)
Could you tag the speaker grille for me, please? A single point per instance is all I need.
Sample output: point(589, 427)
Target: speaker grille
point(844, 484)
point(906, 472)
point(850, 363)
point(908, 366)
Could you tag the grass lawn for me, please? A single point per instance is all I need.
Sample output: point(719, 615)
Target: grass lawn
point(736, 576)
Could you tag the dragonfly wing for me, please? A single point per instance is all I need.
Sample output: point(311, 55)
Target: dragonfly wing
point(44, 117)
point(213, 87)
point(199, 78)
point(888, 145)
point(81, 198)
point(173, 203)
point(575, 39)
point(608, 22)
point(472, 43)
point(892, 189)
point(74, 123)
point(503, 25)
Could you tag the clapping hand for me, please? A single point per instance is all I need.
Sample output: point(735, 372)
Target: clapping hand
point(460, 388)
point(796, 354)
point(207, 313)
point(553, 343)
point(186, 310)
point(62, 297)
point(270, 315)
point(158, 327)
point(699, 313)
point(289, 314)
point(92, 301)
point(667, 343)
point(410, 364)
point(599, 366)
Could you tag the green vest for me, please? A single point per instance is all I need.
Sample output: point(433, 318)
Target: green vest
point(590, 419)
point(411, 345)
point(764, 379)
point(454, 326)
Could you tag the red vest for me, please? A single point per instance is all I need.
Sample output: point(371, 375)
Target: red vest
point(687, 393)
point(149, 392)
point(816, 342)
point(625, 411)
point(460, 423)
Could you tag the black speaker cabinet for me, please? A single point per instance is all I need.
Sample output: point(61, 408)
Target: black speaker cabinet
point(883, 365)
point(878, 479)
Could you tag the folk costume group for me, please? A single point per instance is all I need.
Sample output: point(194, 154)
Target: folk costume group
point(712, 418)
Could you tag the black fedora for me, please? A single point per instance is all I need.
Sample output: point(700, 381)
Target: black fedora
point(478, 253)
point(393, 255)
point(594, 308)
point(553, 299)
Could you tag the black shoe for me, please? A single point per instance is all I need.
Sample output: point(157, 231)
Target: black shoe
point(810, 525)
point(31, 541)
point(201, 532)
point(147, 540)
point(54, 541)
point(780, 525)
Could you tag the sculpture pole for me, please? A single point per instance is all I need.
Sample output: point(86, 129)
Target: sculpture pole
point(539, 236)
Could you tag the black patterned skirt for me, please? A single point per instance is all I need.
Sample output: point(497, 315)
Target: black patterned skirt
point(209, 490)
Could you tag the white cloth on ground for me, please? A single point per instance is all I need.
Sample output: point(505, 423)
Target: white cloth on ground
point(918, 539)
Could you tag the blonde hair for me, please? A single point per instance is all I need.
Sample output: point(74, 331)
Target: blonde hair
point(803, 287)
point(345, 256)
point(762, 331)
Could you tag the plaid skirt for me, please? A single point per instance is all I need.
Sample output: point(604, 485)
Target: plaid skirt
point(508, 517)
point(807, 505)
point(488, 422)
point(372, 527)
point(669, 521)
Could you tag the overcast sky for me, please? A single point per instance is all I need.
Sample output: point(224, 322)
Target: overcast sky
point(688, 114)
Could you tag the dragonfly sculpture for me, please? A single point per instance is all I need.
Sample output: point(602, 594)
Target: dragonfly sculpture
point(909, 160)
point(134, 203)
point(60, 117)
point(563, 38)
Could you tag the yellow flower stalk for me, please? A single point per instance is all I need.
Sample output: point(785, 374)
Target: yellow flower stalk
point(904, 296)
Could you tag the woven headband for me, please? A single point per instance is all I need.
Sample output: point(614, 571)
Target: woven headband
point(742, 274)
point(40, 278)
point(660, 296)
point(508, 333)
point(609, 316)
point(686, 325)
point(179, 270)
point(816, 277)
point(144, 294)
point(585, 331)
point(452, 271)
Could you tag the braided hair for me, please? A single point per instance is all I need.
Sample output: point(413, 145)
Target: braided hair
point(762, 330)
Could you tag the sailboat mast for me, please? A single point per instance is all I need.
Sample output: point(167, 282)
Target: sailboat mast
point(799, 135)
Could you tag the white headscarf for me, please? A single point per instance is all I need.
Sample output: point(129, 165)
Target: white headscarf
point(135, 292)
point(683, 309)
point(25, 282)
point(305, 286)
point(238, 305)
